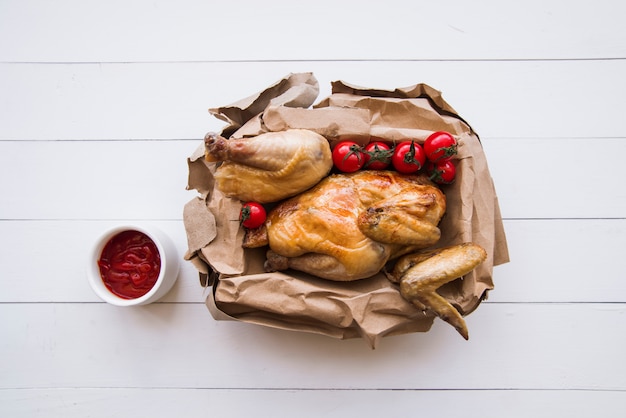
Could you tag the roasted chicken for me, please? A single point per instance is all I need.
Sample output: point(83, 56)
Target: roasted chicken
point(350, 225)
point(269, 167)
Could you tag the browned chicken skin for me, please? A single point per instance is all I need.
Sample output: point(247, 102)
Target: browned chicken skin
point(421, 274)
point(271, 166)
point(350, 225)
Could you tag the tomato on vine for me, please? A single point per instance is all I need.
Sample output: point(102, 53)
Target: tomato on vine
point(440, 146)
point(408, 157)
point(252, 215)
point(441, 172)
point(377, 155)
point(348, 156)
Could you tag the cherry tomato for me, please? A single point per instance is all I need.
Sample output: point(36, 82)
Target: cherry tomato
point(252, 215)
point(441, 172)
point(348, 156)
point(377, 155)
point(440, 146)
point(408, 157)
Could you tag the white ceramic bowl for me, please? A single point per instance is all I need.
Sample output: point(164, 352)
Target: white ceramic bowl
point(167, 275)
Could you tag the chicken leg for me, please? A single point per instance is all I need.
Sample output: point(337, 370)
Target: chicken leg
point(271, 166)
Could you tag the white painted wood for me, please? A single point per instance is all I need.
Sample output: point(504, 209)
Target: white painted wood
point(87, 87)
point(563, 260)
point(500, 99)
point(557, 177)
point(553, 346)
point(191, 403)
point(569, 260)
point(95, 180)
point(189, 30)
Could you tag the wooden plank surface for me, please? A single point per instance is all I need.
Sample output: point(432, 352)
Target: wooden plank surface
point(193, 403)
point(102, 102)
point(98, 345)
point(247, 30)
point(501, 99)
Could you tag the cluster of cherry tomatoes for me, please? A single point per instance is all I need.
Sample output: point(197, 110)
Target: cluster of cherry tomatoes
point(407, 157)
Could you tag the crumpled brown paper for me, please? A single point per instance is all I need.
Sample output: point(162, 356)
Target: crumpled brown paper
point(370, 308)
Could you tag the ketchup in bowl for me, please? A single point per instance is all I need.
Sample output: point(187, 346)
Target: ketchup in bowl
point(130, 264)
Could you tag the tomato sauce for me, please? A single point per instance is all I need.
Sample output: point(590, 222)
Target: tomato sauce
point(130, 264)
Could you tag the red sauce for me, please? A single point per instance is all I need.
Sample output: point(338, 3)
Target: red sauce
point(130, 264)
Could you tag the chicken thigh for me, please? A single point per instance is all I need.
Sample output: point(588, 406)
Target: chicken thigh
point(350, 225)
point(271, 166)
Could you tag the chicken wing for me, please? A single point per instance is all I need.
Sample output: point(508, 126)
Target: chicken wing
point(420, 278)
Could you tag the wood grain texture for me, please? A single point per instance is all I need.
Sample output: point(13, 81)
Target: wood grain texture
point(191, 403)
point(247, 30)
point(542, 346)
point(501, 99)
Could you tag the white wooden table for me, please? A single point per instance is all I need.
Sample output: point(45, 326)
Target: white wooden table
point(102, 102)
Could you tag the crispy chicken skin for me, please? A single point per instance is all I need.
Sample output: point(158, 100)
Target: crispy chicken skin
point(421, 274)
point(271, 166)
point(350, 225)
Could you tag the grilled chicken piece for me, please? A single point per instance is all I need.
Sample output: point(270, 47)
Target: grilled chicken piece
point(350, 225)
point(271, 166)
point(421, 274)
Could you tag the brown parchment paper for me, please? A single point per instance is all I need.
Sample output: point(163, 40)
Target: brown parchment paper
point(371, 308)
